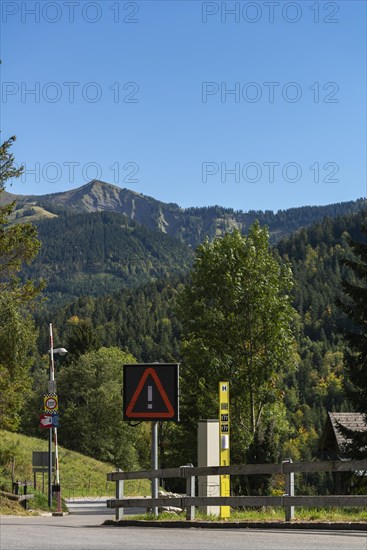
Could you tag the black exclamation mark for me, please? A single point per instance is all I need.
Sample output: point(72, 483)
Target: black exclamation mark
point(150, 397)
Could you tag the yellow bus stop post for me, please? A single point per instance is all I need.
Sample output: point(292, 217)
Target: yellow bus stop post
point(224, 449)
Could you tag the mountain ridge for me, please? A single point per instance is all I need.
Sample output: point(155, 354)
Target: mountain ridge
point(190, 225)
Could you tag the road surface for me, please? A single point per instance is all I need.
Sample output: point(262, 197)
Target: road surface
point(83, 530)
point(96, 507)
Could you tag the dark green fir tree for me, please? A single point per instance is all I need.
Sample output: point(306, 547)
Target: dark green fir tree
point(354, 305)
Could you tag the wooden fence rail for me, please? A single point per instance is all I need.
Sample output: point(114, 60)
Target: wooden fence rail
point(245, 469)
point(278, 502)
point(287, 501)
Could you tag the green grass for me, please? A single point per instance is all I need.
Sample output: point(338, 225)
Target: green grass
point(269, 514)
point(40, 502)
point(331, 514)
point(80, 476)
point(38, 213)
point(13, 508)
point(35, 505)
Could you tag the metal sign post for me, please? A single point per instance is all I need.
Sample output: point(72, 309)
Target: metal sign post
point(224, 450)
point(155, 464)
point(151, 392)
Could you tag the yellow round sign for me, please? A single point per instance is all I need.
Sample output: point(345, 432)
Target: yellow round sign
point(51, 403)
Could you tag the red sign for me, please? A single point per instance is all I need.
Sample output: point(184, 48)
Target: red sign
point(151, 392)
point(46, 421)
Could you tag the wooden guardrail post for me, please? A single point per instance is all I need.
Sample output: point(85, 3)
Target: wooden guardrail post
point(15, 487)
point(25, 494)
point(289, 490)
point(22, 498)
point(119, 512)
point(190, 489)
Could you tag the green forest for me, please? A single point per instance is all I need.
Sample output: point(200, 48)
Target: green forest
point(283, 318)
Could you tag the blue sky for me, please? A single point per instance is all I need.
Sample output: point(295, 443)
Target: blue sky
point(250, 105)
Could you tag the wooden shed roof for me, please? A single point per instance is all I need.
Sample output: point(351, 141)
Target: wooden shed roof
point(332, 439)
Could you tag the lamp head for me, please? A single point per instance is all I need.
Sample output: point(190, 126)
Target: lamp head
point(60, 351)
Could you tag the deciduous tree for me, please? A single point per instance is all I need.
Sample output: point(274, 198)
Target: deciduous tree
point(237, 320)
point(91, 409)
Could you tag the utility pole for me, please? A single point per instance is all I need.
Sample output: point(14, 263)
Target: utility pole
point(53, 427)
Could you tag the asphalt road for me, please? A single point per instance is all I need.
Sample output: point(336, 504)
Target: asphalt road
point(97, 507)
point(82, 530)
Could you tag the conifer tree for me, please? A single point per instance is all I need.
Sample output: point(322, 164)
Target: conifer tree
point(18, 242)
point(354, 305)
point(18, 245)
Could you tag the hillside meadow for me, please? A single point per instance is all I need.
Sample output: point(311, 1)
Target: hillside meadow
point(80, 476)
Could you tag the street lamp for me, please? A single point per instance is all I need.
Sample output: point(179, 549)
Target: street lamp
point(52, 389)
point(59, 351)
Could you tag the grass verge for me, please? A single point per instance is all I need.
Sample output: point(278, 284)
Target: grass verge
point(13, 508)
point(270, 514)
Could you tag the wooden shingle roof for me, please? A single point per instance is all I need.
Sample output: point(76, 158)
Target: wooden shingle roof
point(332, 439)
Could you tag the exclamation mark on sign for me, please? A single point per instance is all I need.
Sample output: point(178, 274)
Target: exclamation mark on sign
point(150, 397)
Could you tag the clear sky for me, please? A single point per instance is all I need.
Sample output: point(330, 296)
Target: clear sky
point(250, 105)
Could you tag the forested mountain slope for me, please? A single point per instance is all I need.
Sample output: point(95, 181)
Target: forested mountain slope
point(144, 321)
point(316, 255)
point(93, 254)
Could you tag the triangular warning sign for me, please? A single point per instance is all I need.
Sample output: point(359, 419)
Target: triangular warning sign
point(131, 413)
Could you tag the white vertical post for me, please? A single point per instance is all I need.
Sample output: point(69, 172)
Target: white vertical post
point(57, 471)
point(119, 512)
point(208, 455)
point(190, 491)
point(289, 490)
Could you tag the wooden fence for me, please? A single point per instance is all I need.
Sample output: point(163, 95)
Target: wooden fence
point(288, 501)
point(22, 499)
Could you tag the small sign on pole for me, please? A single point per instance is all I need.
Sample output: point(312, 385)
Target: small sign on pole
point(48, 420)
point(51, 402)
point(51, 386)
point(40, 461)
point(224, 448)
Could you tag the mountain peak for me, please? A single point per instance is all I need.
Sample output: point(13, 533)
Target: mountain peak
point(97, 184)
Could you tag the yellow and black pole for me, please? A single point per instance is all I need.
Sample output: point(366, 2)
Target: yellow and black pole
point(224, 448)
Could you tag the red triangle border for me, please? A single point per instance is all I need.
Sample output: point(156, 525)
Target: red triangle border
point(170, 410)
